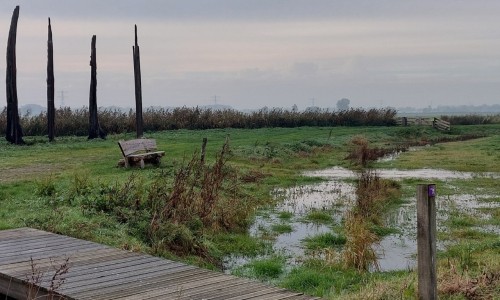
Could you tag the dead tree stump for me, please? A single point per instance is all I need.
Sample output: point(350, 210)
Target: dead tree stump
point(95, 129)
point(14, 133)
point(50, 86)
point(138, 87)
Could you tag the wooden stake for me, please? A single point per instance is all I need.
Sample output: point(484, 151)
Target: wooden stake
point(426, 241)
point(203, 150)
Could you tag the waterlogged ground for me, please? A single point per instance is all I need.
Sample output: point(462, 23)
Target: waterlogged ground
point(335, 196)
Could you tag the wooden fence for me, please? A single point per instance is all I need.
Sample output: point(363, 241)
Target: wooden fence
point(420, 121)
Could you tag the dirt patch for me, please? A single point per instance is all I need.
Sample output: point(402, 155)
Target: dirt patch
point(28, 172)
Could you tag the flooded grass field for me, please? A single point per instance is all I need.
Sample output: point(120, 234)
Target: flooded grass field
point(318, 209)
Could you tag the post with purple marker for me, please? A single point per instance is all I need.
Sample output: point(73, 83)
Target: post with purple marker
point(426, 241)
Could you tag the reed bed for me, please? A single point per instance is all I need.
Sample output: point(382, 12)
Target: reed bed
point(74, 122)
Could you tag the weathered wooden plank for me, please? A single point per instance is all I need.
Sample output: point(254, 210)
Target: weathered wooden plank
point(127, 268)
point(225, 291)
point(175, 288)
point(154, 286)
point(8, 241)
point(48, 251)
point(40, 243)
point(141, 286)
point(100, 272)
point(247, 289)
point(90, 271)
point(260, 293)
point(83, 259)
point(23, 232)
point(121, 279)
point(194, 289)
point(277, 295)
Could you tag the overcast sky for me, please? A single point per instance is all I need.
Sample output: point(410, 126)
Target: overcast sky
point(255, 53)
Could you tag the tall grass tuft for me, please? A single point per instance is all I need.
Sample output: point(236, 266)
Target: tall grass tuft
point(359, 252)
point(373, 194)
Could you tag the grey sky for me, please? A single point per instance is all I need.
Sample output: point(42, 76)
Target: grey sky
point(254, 53)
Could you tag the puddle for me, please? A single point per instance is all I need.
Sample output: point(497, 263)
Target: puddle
point(396, 251)
point(394, 155)
point(343, 173)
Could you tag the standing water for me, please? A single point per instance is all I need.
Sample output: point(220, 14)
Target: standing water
point(336, 196)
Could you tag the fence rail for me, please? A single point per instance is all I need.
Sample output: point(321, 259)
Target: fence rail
point(419, 121)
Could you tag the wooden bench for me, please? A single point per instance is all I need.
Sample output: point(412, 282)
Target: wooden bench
point(140, 152)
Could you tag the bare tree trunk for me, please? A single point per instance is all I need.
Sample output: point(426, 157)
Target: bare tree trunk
point(138, 87)
point(14, 133)
point(94, 127)
point(50, 86)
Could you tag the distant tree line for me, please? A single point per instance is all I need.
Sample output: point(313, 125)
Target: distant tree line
point(75, 121)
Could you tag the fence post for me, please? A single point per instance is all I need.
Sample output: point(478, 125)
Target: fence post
point(426, 241)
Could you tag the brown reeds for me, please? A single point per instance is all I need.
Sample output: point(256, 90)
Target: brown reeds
point(452, 282)
point(361, 154)
point(359, 252)
point(75, 121)
point(372, 195)
point(202, 198)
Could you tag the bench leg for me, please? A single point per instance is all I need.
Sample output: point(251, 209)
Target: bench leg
point(127, 164)
point(142, 163)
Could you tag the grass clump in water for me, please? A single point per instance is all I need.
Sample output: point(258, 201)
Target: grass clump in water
point(285, 215)
point(240, 244)
point(324, 240)
point(382, 231)
point(265, 269)
point(319, 216)
point(282, 228)
point(268, 268)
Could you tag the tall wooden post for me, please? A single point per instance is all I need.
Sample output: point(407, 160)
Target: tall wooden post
point(138, 87)
point(14, 133)
point(426, 241)
point(94, 127)
point(50, 86)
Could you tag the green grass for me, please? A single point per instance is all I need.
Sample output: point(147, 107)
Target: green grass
point(317, 279)
point(324, 240)
point(285, 215)
point(49, 186)
point(268, 268)
point(382, 231)
point(240, 244)
point(462, 221)
point(265, 269)
point(282, 228)
point(319, 216)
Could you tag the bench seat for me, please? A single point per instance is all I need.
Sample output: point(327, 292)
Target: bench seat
point(140, 152)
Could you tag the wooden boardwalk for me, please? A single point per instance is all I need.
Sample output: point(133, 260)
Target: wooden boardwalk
point(100, 272)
